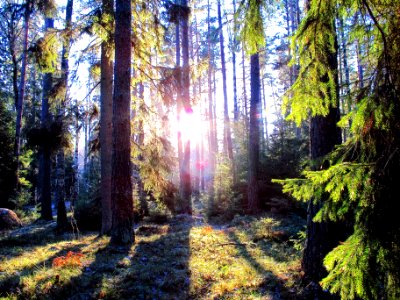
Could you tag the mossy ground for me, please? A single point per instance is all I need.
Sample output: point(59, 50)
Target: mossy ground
point(185, 258)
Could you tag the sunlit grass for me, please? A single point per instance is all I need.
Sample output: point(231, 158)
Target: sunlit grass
point(249, 258)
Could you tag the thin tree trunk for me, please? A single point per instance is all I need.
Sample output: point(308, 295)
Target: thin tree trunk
point(245, 106)
point(228, 149)
point(254, 136)
point(21, 93)
point(75, 191)
point(122, 208)
point(144, 208)
point(106, 128)
point(235, 98)
point(44, 150)
point(265, 119)
point(212, 133)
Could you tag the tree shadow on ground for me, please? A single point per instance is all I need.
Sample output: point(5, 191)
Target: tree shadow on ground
point(159, 267)
point(10, 282)
point(156, 267)
point(271, 284)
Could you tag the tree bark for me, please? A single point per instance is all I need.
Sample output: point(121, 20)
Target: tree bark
point(212, 129)
point(44, 150)
point(21, 93)
point(228, 149)
point(185, 183)
point(122, 209)
point(106, 117)
point(254, 135)
point(62, 220)
point(324, 135)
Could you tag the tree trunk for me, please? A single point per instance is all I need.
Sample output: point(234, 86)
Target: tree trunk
point(21, 93)
point(234, 42)
point(324, 135)
point(254, 136)
point(245, 106)
point(62, 220)
point(144, 208)
point(44, 150)
point(122, 208)
point(212, 129)
point(106, 129)
point(228, 149)
point(75, 189)
point(185, 183)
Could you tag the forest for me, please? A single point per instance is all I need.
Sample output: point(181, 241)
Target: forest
point(175, 149)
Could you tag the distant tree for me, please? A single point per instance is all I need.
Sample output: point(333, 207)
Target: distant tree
point(228, 148)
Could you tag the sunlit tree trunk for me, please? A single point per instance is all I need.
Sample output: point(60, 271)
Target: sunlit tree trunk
point(234, 42)
point(122, 207)
point(212, 129)
point(178, 94)
point(254, 136)
point(106, 116)
point(185, 182)
point(21, 91)
point(44, 154)
point(144, 208)
point(228, 149)
point(245, 106)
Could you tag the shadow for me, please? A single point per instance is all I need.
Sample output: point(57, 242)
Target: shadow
point(160, 267)
point(271, 285)
point(156, 267)
point(10, 283)
point(88, 284)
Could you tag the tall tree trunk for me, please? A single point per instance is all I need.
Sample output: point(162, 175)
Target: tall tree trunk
point(44, 150)
point(122, 212)
point(178, 94)
point(228, 149)
point(245, 106)
point(106, 117)
point(234, 42)
point(254, 136)
point(324, 135)
point(144, 208)
point(62, 220)
point(21, 92)
point(185, 183)
point(265, 118)
point(75, 189)
point(212, 129)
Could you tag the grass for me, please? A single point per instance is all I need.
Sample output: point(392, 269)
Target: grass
point(185, 258)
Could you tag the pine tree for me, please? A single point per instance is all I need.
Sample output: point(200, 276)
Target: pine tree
point(122, 208)
point(357, 181)
point(106, 116)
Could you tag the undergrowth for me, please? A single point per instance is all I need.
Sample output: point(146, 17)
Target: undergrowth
point(185, 258)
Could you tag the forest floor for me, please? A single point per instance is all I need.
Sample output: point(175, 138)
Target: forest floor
point(183, 258)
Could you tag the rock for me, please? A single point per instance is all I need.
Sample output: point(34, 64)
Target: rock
point(9, 219)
